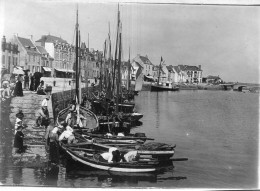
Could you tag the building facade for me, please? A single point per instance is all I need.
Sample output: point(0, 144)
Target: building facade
point(63, 54)
point(10, 56)
point(191, 74)
point(145, 63)
point(30, 58)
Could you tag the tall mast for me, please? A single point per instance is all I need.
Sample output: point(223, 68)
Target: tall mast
point(101, 74)
point(118, 21)
point(159, 71)
point(119, 74)
point(128, 76)
point(77, 68)
point(87, 65)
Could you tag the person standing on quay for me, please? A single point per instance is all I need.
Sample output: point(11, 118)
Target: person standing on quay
point(18, 141)
point(26, 82)
point(18, 91)
point(32, 82)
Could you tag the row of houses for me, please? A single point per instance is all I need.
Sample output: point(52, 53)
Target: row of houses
point(50, 55)
point(167, 73)
point(54, 56)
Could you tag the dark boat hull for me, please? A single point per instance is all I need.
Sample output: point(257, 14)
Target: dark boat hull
point(91, 161)
point(157, 88)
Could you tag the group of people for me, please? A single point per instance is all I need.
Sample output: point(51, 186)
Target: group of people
point(18, 83)
point(115, 156)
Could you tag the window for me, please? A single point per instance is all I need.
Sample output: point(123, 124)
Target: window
point(29, 58)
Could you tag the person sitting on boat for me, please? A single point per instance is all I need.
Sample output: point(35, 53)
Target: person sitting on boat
point(18, 141)
point(109, 135)
point(41, 89)
point(75, 118)
point(71, 117)
point(110, 157)
point(120, 134)
point(67, 134)
point(131, 156)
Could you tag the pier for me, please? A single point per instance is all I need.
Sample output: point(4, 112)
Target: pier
point(30, 104)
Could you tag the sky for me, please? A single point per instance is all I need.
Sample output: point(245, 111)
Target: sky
point(223, 39)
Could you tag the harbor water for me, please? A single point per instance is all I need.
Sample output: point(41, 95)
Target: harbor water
point(216, 130)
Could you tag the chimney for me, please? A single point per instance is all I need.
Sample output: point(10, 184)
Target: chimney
point(200, 67)
point(31, 37)
point(146, 56)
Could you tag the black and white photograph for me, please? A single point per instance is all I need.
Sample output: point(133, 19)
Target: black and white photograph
point(124, 94)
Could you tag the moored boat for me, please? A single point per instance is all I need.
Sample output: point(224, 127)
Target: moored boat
point(160, 87)
point(88, 155)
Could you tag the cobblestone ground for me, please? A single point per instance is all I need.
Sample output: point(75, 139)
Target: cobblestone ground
point(30, 103)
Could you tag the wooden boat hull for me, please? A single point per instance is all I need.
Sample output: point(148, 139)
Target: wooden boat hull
point(104, 139)
point(93, 123)
point(157, 88)
point(134, 167)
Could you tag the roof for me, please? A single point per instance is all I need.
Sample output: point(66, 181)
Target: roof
point(190, 68)
point(176, 68)
point(50, 38)
point(213, 77)
point(169, 68)
point(28, 45)
point(139, 65)
point(42, 50)
point(145, 60)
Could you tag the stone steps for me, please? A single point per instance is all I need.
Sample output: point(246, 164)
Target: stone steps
point(30, 103)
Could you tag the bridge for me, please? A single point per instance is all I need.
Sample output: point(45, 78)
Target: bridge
point(239, 86)
point(227, 86)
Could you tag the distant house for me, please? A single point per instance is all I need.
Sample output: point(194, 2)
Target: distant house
point(30, 57)
point(145, 63)
point(178, 75)
point(190, 74)
point(213, 79)
point(10, 56)
point(45, 62)
point(62, 53)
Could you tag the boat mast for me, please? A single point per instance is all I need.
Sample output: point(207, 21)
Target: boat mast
point(114, 72)
point(118, 72)
point(77, 68)
point(128, 76)
point(101, 74)
point(87, 65)
point(159, 71)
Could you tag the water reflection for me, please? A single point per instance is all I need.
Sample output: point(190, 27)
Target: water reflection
point(157, 110)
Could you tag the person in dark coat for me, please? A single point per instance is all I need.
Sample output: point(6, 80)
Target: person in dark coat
point(26, 82)
point(18, 91)
point(41, 89)
point(32, 82)
point(18, 141)
point(37, 81)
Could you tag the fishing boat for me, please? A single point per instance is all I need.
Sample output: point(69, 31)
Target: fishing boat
point(164, 87)
point(167, 86)
point(84, 156)
point(83, 117)
point(120, 138)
